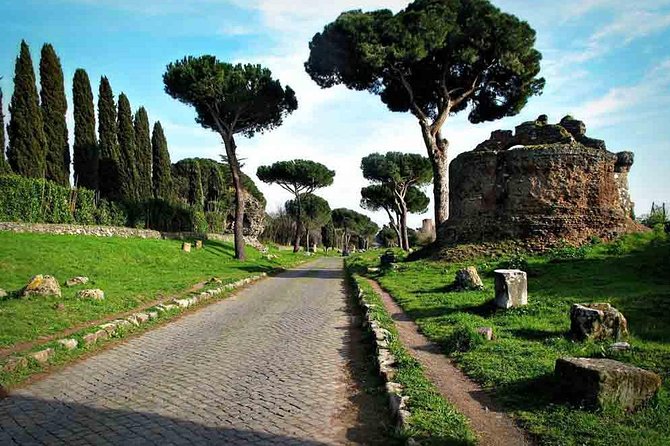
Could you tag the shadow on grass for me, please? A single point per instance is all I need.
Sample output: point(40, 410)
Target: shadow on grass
point(538, 335)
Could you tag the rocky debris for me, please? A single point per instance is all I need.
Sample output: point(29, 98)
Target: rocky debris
point(65, 229)
point(153, 315)
point(3, 293)
point(620, 347)
point(577, 129)
point(467, 279)
point(41, 285)
point(215, 280)
point(79, 280)
point(15, 363)
point(186, 247)
point(94, 294)
point(597, 322)
point(110, 328)
point(511, 288)
point(166, 307)
point(486, 332)
point(90, 339)
point(68, 344)
point(141, 317)
point(43, 356)
point(598, 382)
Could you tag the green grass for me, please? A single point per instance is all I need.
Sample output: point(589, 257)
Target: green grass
point(433, 421)
point(632, 274)
point(131, 272)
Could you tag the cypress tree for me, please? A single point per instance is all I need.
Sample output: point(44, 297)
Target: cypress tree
point(54, 107)
point(4, 165)
point(27, 146)
point(109, 169)
point(128, 160)
point(143, 147)
point(162, 167)
point(85, 148)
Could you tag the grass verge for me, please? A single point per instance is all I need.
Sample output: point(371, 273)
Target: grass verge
point(433, 420)
point(633, 274)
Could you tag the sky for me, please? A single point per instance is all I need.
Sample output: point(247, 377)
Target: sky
point(606, 62)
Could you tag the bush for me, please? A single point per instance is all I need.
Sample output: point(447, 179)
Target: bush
point(517, 261)
point(464, 339)
point(567, 253)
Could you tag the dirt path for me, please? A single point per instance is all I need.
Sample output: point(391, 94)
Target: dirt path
point(492, 425)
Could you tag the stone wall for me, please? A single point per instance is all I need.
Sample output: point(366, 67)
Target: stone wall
point(545, 183)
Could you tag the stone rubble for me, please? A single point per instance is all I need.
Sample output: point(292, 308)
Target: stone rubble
point(79, 280)
point(599, 321)
point(42, 285)
point(93, 294)
point(511, 288)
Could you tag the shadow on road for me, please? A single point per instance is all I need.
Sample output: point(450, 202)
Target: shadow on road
point(70, 423)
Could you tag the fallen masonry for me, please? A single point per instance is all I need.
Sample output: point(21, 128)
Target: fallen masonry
point(511, 288)
point(598, 322)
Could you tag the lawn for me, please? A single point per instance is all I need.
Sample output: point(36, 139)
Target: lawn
point(131, 272)
point(632, 274)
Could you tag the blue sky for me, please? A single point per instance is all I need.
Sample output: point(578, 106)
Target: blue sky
point(606, 62)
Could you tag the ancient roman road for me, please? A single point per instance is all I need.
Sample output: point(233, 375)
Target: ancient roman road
point(270, 365)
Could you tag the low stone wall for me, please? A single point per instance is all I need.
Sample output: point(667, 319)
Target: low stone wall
point(97, 231)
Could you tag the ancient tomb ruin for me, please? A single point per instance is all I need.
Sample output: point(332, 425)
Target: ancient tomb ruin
point(544, 183)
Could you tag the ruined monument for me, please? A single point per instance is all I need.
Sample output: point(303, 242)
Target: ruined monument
point(544, 184)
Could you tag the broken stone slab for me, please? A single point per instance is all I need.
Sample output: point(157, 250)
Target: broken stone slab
point(132, 319)
point(598, 321)
point(153, 315)
point(90, 339)
point(94, 294)
point(182, 303)
point(486, 332)
point(68, 344)
point(141, 317)
point(101, 334)
point(122, 323)
point(43, 356)
point(511, 288)
point(15, 363)
point(79, 280)
point(186, 247)
point(110, 327)
point(41, 285)
point(596, 382)
point(467, 279)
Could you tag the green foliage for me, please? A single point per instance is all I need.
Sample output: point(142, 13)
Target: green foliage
point(27, 143)
point(432, 55)
point(85, 148)
point(162, 169)
point(54, 108)
point(463, 339)
point(4, 165)
point(314, 211)
point(143, 154)
point(129, 185)
point(387, 237)
point(397, 169)
point(567, 253)
point(246, 97)
point(36, 201)
point(297, 176)
point(657, 216)
point(328, 235)
point(109, 179)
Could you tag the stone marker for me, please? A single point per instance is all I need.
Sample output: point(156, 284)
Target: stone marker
point(511, 286)
point(3, 293)
point(597, 322)
point(43, 356)
point(198, 244)
point(68, 344)
point(142, 317)
point(468, 279)
point(90, 339)
point(41, 285)
point(95, 294)
point(596, 382)
point(186, 247)
point(486, 332)
point(79, 280)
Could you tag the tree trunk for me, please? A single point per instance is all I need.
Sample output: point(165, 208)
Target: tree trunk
point(298, 225)
point(437, 152)
point(238, 228)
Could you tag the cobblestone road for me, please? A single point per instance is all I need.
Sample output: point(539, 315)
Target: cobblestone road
point(267, 366)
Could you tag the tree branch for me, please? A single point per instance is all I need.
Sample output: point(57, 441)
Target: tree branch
point(416, 110)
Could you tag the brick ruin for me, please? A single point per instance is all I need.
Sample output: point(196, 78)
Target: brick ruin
point(543, 184)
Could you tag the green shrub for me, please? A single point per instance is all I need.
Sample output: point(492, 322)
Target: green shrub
point(464, 339)
point(216, 221)
point(33, 200)
point(616, 248)
point(517, 261)
point(109, 213)
point(567, 253)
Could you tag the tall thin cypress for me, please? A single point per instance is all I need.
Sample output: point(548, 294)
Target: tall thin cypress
point(143, 151)
point(54, 107)
point(162, 167)
point(4, 165)
point(27, 145)
point(110, 157)
point(128, 164)
point(85, 148)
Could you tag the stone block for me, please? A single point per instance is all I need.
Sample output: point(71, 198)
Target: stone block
point(94, 294)
point(486, 332)
point(43, 356)
point(153, 315)
point(141, 317)
point(467, 279)
point(41, 285)
point(198, 244)
point(79, 280)
point(186, 247)
point(68, 344)
point(597, 322)
point(596, 382)
point(511, 288)
point(90, 339)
